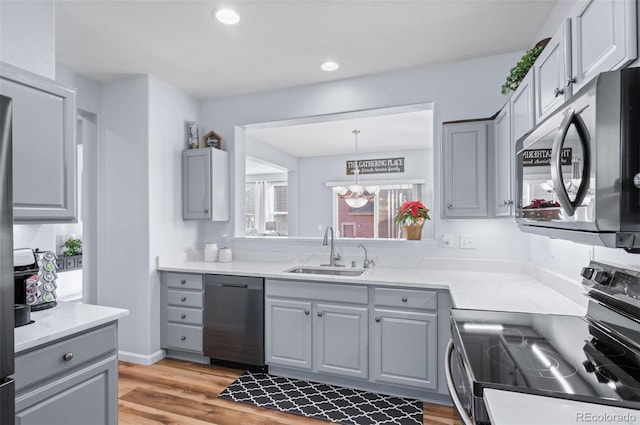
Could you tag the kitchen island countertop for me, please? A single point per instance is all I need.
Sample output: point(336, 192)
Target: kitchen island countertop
point(67, 318)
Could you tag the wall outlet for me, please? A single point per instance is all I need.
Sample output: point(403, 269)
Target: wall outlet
point(447, 241)
point(467, 241)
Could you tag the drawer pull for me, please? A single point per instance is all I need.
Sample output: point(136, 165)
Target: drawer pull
point(183, 299)
point(319, 314)
point(404, 299)
point(377, 319)
point(183, 338)
point(306, 312)
point(183, 316)
point(68, 357)
point(182, 282)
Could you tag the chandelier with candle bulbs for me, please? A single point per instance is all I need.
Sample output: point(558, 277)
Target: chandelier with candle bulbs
point(356, 195)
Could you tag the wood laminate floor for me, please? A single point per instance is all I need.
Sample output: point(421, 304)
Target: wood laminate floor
point(178, 392)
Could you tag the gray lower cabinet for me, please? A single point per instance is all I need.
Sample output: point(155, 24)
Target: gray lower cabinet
point(288, 333)
point(341, 340)
point(182, 312)
point(44, 146)
point(73, 381)
point(404, 348)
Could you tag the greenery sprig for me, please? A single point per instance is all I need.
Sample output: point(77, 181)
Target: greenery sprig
point(519, 71)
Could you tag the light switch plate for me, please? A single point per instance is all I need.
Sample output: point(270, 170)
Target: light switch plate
point(447, 241)
point(467, 241)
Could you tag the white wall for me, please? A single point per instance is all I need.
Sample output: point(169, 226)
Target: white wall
point(123, 224)
point(27, 35)
point(169, 109)
point(459, 90)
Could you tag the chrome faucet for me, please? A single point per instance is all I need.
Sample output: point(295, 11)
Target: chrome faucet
point(333, 257)
point(367, 262)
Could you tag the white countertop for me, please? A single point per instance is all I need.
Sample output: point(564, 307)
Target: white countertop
point(67, 318)
point(482, 290)
point(511, 408)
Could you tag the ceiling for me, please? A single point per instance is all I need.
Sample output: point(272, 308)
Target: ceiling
point(280, 44)
point(378, 133)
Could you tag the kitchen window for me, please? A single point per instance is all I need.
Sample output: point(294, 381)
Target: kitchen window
point(266, 208)
point(375, 219)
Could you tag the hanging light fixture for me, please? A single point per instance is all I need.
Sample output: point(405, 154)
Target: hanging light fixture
point(356, 196)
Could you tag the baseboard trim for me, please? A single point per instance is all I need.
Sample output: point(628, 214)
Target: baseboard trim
point(142, 359)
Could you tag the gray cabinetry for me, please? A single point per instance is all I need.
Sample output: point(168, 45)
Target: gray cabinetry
point(205, 184)
point(551, 71)
point(44, 146)
point(288, 333)
point(182, 312)
point(341, 340)
point(504, 147)
point(465, 159)
point(523, 117)
point(404, 338)
point(74, 381)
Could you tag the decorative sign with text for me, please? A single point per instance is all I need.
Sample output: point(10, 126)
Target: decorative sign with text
point(539, 157)
point(377, 166)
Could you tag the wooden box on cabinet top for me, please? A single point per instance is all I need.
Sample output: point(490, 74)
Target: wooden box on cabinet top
point(44, 146)
point(205, 184)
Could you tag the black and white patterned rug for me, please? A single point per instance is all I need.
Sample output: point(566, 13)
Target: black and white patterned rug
point(322, 401)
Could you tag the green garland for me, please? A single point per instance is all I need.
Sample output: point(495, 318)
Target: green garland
point(519, 71)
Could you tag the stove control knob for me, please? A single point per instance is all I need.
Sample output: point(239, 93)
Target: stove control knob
point(586, 272)
point(601, 277)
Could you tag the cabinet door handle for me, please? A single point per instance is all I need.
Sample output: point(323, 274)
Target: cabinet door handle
point(557, 92)
point(571, 80)
point(183, 338)
point(183, 299)
point(319, 314)
point(636, 180)
point(206, 211)
point(307, 312)
point(68, 357)
point(183, 316)
point(182, 282)
point(377, 319)
point(449, 206)
point(404, 299)
point(505, 202)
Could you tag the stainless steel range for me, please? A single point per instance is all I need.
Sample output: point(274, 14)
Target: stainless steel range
point(592, 359)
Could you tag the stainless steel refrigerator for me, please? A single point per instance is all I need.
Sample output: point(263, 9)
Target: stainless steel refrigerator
point(7, 389)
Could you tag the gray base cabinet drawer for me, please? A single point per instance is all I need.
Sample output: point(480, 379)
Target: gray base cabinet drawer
point(184, 281)
point(187, 316)
point(42, 363)
point(184, 337)
point(184, 298)
point(86, 397)
point(406, 298)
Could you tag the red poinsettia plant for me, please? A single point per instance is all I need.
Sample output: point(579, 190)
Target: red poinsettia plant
point(411, 212)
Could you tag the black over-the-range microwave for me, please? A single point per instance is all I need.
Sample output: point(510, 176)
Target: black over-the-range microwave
point(578, 171)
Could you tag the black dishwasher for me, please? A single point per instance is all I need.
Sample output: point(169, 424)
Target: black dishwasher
point(234, 319)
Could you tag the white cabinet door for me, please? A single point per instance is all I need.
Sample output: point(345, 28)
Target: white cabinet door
point(503, 155)
point(341, 340)
point(205, 184)
point(551, 71)
point(523, 117)
point(288, 333)
point(44, 147)
point(405, 348)
point(465, 169)
point(604, 37)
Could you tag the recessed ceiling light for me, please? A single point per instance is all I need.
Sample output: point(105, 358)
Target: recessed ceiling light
point(227, 16)
point(329, 66)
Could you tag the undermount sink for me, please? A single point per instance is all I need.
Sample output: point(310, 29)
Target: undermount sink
point(325, 270)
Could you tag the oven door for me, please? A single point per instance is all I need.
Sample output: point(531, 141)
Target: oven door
point(459, 384)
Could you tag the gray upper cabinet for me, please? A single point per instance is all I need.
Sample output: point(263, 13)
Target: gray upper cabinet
point(465, 168)
point(503, 156)
point(604, 38)
point(341, 340)
point(523, 117)
point(205, 184)
point(551, 71)
point(44, 146)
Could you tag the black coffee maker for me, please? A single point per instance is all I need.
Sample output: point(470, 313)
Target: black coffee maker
point(25, 272)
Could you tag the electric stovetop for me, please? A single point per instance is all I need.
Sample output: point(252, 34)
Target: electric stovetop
point(561, 356)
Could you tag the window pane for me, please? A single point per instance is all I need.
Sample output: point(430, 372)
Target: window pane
point(280, 199)
point(390, 200)
point(355, 222)
point(250, 206)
